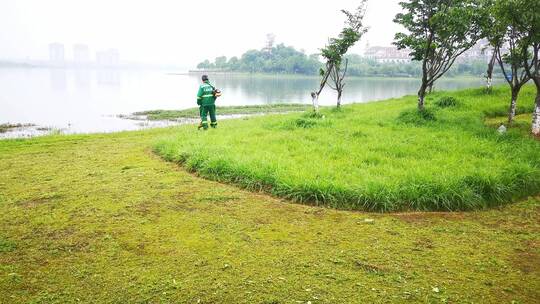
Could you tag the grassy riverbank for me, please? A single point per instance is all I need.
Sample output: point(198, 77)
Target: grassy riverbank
point(380, 156)
point(8, 126)
point(101, 219)
point(230, 110)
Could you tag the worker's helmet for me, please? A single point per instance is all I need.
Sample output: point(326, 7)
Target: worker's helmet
point(204, 77)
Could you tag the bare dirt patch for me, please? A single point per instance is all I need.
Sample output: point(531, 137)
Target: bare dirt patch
point(37, 201)
point(425, 217)
point(527, 259)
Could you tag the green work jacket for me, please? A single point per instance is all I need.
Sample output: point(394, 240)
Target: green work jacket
point(205, 96)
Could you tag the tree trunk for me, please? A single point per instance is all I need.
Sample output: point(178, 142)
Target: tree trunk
point(422, 91)
point(315, 101)
point(489, 84)
point(421, 95)
point(430, 88)
point(489, 73)
point(513, 103)
point(536, 115)
point(339, 99)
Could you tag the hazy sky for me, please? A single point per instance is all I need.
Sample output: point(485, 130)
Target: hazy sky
point(180, 32)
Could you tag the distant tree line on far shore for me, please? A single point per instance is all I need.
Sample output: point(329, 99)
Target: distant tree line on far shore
point(360, 66)
point(276, 59)
point(281, 59)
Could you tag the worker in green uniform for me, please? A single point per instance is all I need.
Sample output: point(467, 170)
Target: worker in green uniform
point(206, 100)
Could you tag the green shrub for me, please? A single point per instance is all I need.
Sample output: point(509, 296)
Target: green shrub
point(416, 117)
point(306, 121)
point(447, 102)
point(313, 114)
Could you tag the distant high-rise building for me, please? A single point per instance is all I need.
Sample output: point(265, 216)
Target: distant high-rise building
point(387, 54)
point(480, 51)
point(56, 53)
point(81, 54)
point(108, 58)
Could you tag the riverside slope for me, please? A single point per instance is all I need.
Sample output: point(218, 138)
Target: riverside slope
point(101, 219)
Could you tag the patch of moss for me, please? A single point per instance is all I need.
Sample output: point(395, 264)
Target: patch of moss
point(7, 245)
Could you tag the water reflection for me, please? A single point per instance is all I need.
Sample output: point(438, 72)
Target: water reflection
point(83, 78)
point(275, 89)
point(267, 89)
point(58, 79)
point(108, 77)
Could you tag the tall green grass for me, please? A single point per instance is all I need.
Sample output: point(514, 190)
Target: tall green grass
point(382, 156)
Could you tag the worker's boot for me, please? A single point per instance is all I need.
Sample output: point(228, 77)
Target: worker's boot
point(203, 125)
point(213, 124)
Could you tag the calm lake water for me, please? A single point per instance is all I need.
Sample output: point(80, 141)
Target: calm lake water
point(84, 101)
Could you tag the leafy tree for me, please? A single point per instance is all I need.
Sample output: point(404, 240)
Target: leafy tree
point(337, 75)
point(232, 64)
point(510, 49)
point(438, 31)
point(251, 61)
point(221, 62)
point(526, 16)
point(337, 48)
point(278, 59)
point(204, 65)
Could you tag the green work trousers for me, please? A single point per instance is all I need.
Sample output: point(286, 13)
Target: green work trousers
point(204, 111)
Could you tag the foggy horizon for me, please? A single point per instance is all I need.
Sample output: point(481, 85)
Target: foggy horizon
point(168, 32)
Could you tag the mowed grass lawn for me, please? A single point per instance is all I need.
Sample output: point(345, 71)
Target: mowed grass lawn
point(101, 219)
point(380, 156)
